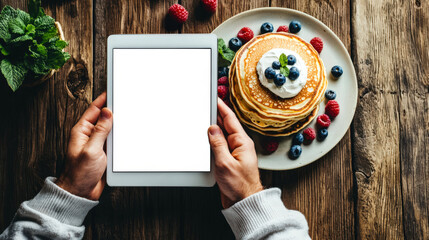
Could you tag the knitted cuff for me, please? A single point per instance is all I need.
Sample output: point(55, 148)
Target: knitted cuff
point(251, 213)
point(60, 204)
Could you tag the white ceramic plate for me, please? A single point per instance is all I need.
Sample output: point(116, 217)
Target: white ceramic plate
point(334, 53)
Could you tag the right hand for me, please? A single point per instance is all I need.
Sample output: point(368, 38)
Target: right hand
point(236, 171)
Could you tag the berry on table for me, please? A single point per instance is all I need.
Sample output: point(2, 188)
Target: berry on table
point(294, 26)
point(322, 134)
point(279, 80)
point(270, 73)
point(269, 145)
point(337, 71)
point(235, 44)
point(291, 60)
point(222, 71)
point(276, 65)
point(222, 92)
point(178, 13)
point(295, 151)
point(283, 28)
point(332, 109)
point(298, 139)
point(267, 27)
point(245, 34)
point(330, 94)
point(222, 81)
point(209, 5)
point(317, 43)
point(323, 121)
point(309, 135)
point(293, 73)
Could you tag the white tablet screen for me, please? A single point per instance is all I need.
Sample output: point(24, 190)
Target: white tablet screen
point(161, 110)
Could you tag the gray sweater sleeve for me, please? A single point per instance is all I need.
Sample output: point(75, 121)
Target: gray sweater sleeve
point(53, 214)
point(264, 216)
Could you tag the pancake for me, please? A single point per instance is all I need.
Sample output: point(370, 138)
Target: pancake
point(257, 107)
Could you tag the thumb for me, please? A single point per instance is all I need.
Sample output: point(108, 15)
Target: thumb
point(218, 143)
point(102, 129)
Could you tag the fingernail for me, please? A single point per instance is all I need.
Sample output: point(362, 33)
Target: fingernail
point(214, 131)
point(106, 114)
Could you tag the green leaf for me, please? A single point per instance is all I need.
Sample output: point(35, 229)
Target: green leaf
point(226, 55)
point(25, 17)
point(283, 60)
point(22, 38)
point(55, 59)
point(31, 29)
point(60, 44)
point(44, 23)
point(6, 14)
point(14, 74)
point(34, 8)
point(284, 71)
point(3, 50)
point(17, 26)
point(47, 36)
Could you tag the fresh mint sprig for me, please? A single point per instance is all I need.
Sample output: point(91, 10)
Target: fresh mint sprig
point(226, 55)
point(30, 46)
point(283, 62)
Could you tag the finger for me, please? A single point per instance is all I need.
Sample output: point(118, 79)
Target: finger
point(218, 144)
point(230, 121)
point(101, 129)
point(93, 111)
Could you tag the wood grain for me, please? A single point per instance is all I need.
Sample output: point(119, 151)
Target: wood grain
point(36, 122)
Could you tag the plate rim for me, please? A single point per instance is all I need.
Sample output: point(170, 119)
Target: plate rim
point(343, 48)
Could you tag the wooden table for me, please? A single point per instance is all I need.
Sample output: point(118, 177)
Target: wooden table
point(372, 185)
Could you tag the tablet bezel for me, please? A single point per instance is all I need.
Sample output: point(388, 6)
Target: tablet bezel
point(162, 41)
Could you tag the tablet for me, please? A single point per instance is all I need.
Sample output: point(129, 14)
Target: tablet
point(162, 90)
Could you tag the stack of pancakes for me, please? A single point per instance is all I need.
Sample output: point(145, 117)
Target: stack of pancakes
point(260, 109)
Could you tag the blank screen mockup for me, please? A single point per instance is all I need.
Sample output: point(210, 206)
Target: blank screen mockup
point(161, 110)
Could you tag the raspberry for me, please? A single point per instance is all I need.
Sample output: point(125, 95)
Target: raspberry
point(317, 44)
point(222, 81)
point(323, 121)
point(283, 29)
point(209, 5)
point(222, 92)
point(332, 109)
point(269, 145)
point(309, 135)
point(245, 34)
point(178, 13)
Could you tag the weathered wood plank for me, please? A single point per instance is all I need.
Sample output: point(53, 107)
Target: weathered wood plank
point(413, 76)
point(36, 122)
point(132, 213)
point(323, 191)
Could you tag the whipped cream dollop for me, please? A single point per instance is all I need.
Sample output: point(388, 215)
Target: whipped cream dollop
point(290, 88)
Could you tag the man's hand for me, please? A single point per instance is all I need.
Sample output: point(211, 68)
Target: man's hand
point(86, 159)
point(236, 171)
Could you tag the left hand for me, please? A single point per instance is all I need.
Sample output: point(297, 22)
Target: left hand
point(86, 159)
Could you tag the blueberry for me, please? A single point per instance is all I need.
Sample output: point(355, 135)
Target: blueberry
point(293, 73)
point(330, 94)
point(222, 71)
point(276, 65)
point(235, 44)
point(294, 26)
point(270, 73)
point(279, 80)
point(295, 151)
point(298, 139)
point(322, 134)
point(267, 27)
point(337, 71)
point(291, 60)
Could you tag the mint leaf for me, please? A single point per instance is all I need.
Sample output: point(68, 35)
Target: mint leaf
point(60, 44)
point(34, 8)
point(55, 59)
point(44, 23)
point(22, 38)
point(49, 35)
point(283, 60)
point(17, 26)
point(31, 29)
point(25, 17)
point(226, 55)
point(14, 74)
point(284, 71)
